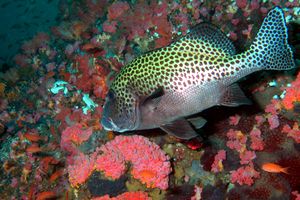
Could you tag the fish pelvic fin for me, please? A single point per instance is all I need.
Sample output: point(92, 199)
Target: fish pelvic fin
point(180, 128)
point(270, 49)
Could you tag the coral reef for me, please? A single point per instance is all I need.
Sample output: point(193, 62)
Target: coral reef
point(52, 145)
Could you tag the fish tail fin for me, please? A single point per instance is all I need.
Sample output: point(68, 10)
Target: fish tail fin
point(270, 49)
point(285, 170)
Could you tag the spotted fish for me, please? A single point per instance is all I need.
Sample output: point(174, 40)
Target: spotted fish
point(162, 88)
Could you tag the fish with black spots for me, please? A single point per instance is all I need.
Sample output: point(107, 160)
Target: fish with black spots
point(162, 88)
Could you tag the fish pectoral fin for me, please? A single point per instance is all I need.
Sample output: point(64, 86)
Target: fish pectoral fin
point(234, 96)
point(197, 122)
point(180, 128)
point(154, 98)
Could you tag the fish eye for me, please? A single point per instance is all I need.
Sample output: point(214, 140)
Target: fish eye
point(111, 94)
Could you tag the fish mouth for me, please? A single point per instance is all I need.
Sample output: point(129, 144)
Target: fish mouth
point(109, 125)
point(128, 122)
point(106, 124)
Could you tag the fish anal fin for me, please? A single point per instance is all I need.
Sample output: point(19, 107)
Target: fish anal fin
point(180, 129)
point(234, 96)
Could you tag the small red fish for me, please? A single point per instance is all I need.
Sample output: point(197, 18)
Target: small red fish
point(194, 143)
point(274, 168)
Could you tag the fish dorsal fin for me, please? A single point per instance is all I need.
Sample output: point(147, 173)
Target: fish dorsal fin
point(206, 39)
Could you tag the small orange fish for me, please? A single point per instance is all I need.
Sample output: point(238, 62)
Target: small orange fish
point(33, 149)
point(33, 137)
point(274, 168)
point(147, 174)
point(46, 195)
point(56, 175)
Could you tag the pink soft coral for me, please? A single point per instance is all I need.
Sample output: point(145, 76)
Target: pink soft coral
point(296, 195)
point(256, 139)
point(217, 165)
point(247, 156)
point(79, 169)
point(237, 140)
point(292, 132)
point(149, 162)
point(273, 121)
point(234, 120)
point(112, 163)
point(244, 175)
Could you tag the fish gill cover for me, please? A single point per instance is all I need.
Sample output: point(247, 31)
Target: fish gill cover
point(54, 146)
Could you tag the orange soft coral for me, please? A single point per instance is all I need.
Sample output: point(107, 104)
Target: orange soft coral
point(292, 94)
